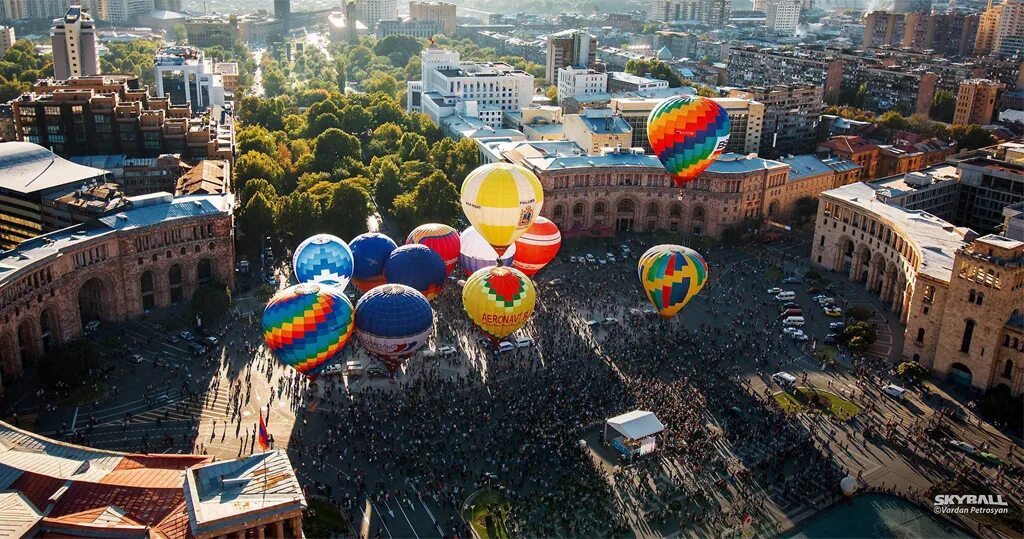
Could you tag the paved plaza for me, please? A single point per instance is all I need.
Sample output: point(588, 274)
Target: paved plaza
point(400, 456)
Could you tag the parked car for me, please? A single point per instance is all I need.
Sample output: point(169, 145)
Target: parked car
point(572, 259)
point(376, 372)
point(988, 458)
point(832, 338)
point(819, 297)
point(774, 291)
point(187, 335)
point(197, 349)
point(211, 341)
point(333, 368)
point(353, 368)
point(790, 305)
point(784, 379)
point(590, 257)
point(791, 312)
point(446, 351)
point(785, 295)
point(610, 321)
point(791, 280)
point(173, 339)
point(135, 358)
point(834, 312)
point(555, 281)
point(800, 336)
point(789, 330)
point(837, 325)
point(963, 446)
point(523, 342)
point(895, 391)
point(92, 326)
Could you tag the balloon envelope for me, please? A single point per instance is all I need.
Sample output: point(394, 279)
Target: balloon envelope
point(848, 485)
point(323, 259)
point(501, 200)
point(370, 251)
point(671, 275)
point(688, 133)
point(499, 300)
point(417, 266)
point(307, 324)
point(442, 239)
point(475, 253)
point(393, 321)
point(537, 247)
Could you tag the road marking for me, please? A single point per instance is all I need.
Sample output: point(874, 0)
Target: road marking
point(409, 522)
point(74, 419)
point(382, 523)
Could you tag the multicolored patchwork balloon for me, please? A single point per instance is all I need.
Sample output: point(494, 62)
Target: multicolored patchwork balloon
point(370, 251)
point(417, 266)
point(442, 239)
point(323, 259)
point(393, 321)
point(501, 200)
point(307, 324)
point(687, 133)
point(537, 247)
point(500, 300)
point(671, 275)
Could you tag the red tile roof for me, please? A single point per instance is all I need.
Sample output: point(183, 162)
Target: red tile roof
point(37, 488)
point(146, 505)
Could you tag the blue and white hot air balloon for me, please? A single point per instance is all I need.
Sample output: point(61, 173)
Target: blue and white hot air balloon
point(323, 259)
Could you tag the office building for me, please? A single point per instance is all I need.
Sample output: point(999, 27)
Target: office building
point(620, 81)
point(1001, 29)
point(856, 149)
point(15, 9)
point(958, 295)
point(168, 5)
point(574, 82)
point(420, 29)
point(570, 48)
point(138, 175)
point(75, 53)
point(42, 9)
point(283, 12)
point(369, 12)
point(442, 13)
point(987, 185)
point(791, 116)
point(104, 115)
point(482, 90)
point(782, 17)
point(933, 190)
point(30, 174)
point(597, 128)
point(118, 12)
point(947, 34)
point(80, 203)
point(758, 66)
point(1013, 221)
point(746, 118)
point(976, 101)
point(708, 12)
point(7, 39)
point(185, 76)
point(213, 30)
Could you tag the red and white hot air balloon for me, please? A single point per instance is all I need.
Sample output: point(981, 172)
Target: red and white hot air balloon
point(537, 247)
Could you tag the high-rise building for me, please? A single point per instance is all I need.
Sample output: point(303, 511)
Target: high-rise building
point(283, 11)
point(168, 5)
point(119, 11)
point(746, 117)
point(976, 101)
point(569, 48)
point(185, 76)
point(950, 34)
point(1001, 29)
point(987, 185)
point(7, 39)
point(440, 12)
point(791, 115)
point(75, 53)
point(912, 6)
point(782, 16)
point(43, 9)
point(370, 11)
point(709, 12)
point(573, 81)
point(112, 114)
point(12, 9)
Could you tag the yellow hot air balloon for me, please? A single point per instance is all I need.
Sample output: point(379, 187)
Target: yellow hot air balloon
point(499, 299)
point(501, 200)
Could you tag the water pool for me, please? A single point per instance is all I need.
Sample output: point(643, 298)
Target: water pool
point(876, 515)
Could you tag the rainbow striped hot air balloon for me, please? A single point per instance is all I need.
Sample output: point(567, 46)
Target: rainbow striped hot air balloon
point(500, 300)
point(307, 324)
point(688, 133)
point(501, 200)
point(671, 275)
point(442, 239)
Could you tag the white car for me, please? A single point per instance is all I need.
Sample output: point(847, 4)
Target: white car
point(894, 391)
point(572, 259)
point(353, 368)
point(790, 330)
point(819, 297)
point(963, 446)
point(135, 358)
point(774, 291)
point(611, 321)
point(523, 342)
point(603, 261)
point(590, 257)
point(555, 281)
point(446, 351)
point(334, 368)
point(800, 336)
point(505, 346)
point(609, 255)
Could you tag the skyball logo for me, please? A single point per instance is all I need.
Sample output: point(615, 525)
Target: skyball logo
point(970, 504)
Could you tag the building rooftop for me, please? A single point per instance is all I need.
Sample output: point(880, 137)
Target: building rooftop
point(619, 158)
point(145, 210)
point(934, 239)
point(734, 163)
point(654, 93)
point(847, 143)
point(630, 78)
point(208, 177)
point(601, 122)
point(805, 166)
point(899, 185)
point(30, 168)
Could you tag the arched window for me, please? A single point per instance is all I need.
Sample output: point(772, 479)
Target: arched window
point(821, 241)
point(920, 334)
point(981, 298)
point(965, 344)
point(971, 295)
point(1008, 369)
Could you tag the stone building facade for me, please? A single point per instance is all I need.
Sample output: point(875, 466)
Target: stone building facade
point(152, 253)
point(960, 297)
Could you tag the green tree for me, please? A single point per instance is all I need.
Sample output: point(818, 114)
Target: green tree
point(348, 210)
point(911, 371)
point(355, 119)
point(256, 185)
point(253, 165)
point(341, 73)
point(275, 83)
point(456, 159)
point(859, 336)
point(971, 137)
point(256, 219)
point(413, 147)
point(434, 200)
point(943, 106)
point(299, 216)
point(268, 113)
point(861, 95)
point(656, 69)
point(211, 302)
point(414, 68)
point(399, 49)
point(255, 138)
point(180, 34)
point(10, 89)
point(552, 93)
point(389, 185)
point(332, 147)
point(381, 82)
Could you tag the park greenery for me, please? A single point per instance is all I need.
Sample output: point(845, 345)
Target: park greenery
point(20, 67)
point(322, 161)
point(912, 372)
point(966, 137)
point(70, 364)
point(210, 303)
point(859, 336)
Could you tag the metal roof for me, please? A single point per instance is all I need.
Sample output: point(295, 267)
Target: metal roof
point(30, 168)
point(734, 163)
point(17, 515)
point(636, 424)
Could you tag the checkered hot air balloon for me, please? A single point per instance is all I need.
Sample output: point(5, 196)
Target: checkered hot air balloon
point(501, 200)
point(442, 239)
point(500, 300)
point(307, 324)
point(671, 275)
point(323, 259)
point(688, 133)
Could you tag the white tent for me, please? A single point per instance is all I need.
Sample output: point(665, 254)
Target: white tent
point(634, 425)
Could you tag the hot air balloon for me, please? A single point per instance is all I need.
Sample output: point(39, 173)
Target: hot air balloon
point(323, 259)
point(537, 247)
point(370, 251)
point(475, 253)
point(392, 322)
point(687, 133)
point(499, 300)
point(671, 275)
point(442, 239)
point(501, 200)
point(416, 266)
point(307, 324)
